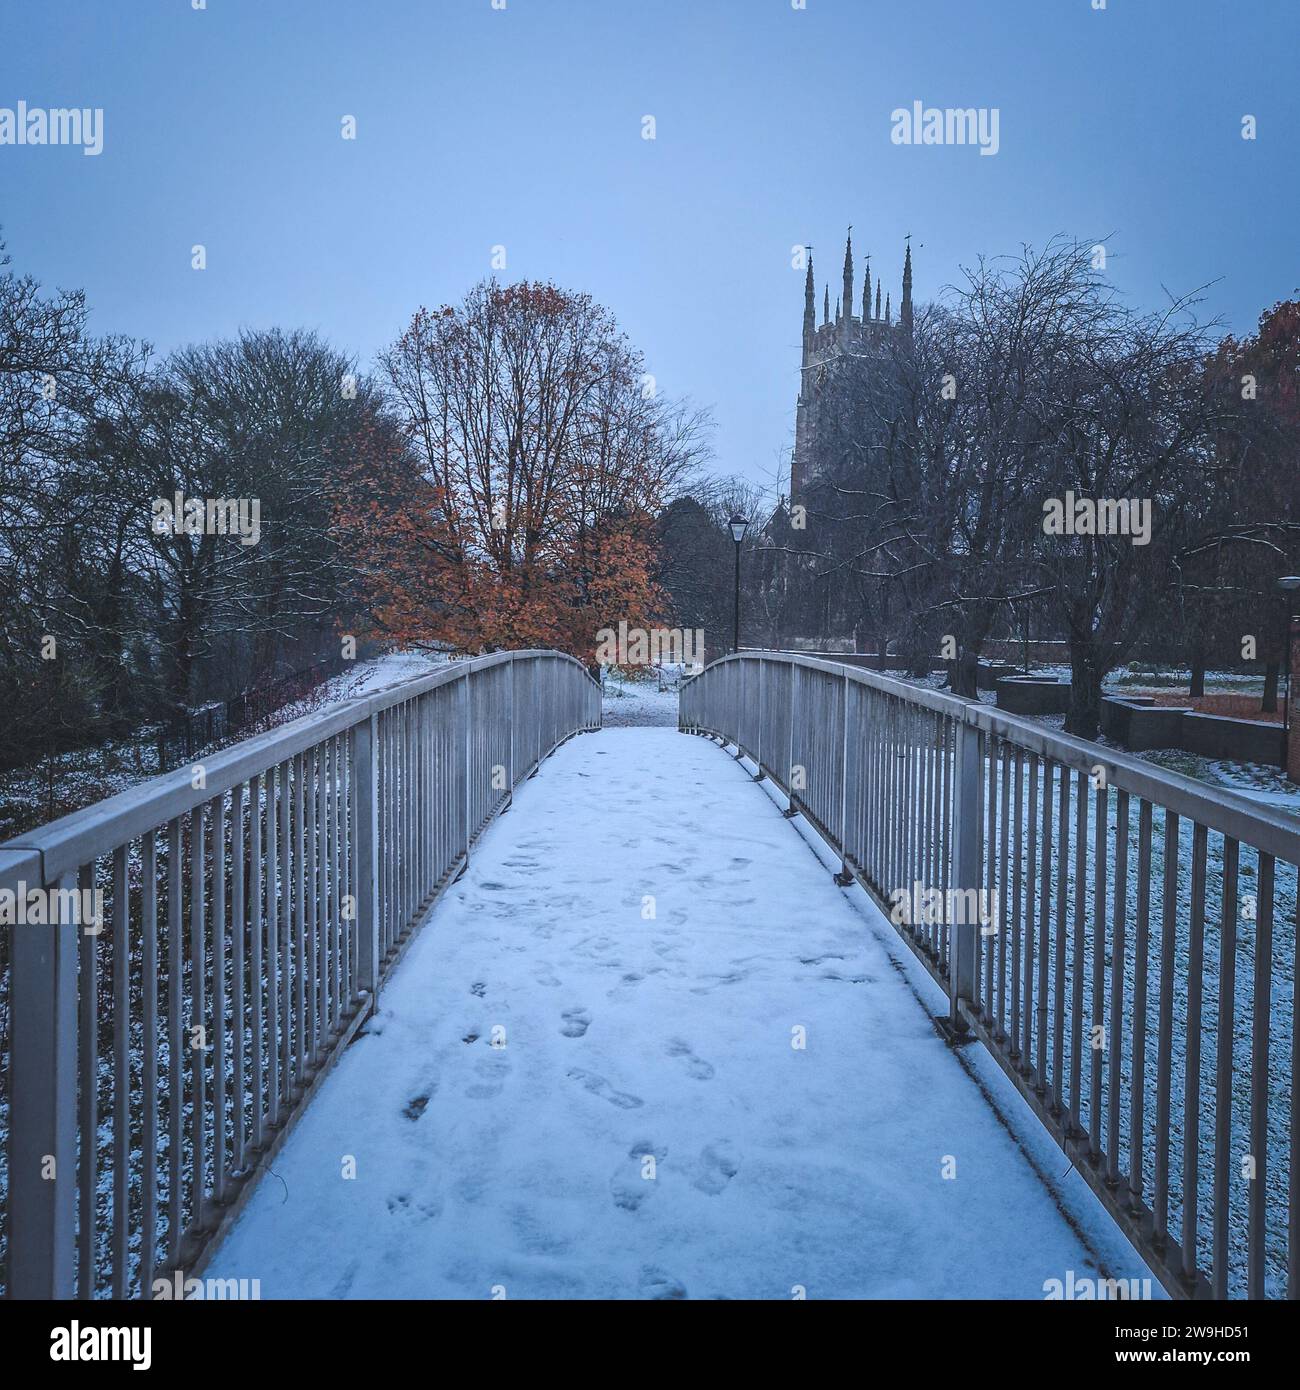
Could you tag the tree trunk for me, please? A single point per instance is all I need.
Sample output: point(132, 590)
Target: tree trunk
point(1083, 719)
point(1197, 687)
point(962, 675)
point(1271, 673)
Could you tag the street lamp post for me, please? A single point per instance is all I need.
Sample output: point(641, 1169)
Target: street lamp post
point(739, 525)
point(1288, 585)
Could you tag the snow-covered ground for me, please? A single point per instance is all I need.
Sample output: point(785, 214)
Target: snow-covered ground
point(85, 775)
point(390, 669)
point(639, 702)
point(585, 1080)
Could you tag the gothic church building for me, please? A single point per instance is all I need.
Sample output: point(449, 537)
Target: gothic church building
point(871, 334)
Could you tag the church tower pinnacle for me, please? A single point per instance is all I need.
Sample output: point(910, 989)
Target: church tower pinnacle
point(809, 311)
point(846, 324)
point(826, 305)
point(905, 311)
point(866, 292)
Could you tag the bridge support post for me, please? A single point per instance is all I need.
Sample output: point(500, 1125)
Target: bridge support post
point(462, 705)
point(758, 756)
point(791, 810)
point(966, 861)
point(848, 774)
point(43, 1119)
point(510, 720)
point(367, 890)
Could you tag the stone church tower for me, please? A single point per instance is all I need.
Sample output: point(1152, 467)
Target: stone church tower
point(848, 335)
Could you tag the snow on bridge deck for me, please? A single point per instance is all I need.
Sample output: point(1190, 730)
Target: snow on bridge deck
point(647, 1129)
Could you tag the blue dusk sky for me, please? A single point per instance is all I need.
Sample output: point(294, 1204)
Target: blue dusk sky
point(479, 126)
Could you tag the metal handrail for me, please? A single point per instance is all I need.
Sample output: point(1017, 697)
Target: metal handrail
point(253, 905)
point(1105, 879)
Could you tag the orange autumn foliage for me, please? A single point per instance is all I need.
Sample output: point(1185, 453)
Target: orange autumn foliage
point(509, 501)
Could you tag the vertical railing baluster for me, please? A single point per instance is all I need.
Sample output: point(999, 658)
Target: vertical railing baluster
point(217, 831)
point(1017, 888)
point(238, 934)
point(274, 777)
point(1031, 872)
point(1115, 1066)
point(149, 1058)
point(1097, 1036)
point(256, 986)
point(366, 807)
point(287, 962)
point(991, 871)
point(336, 933)
point(197, 1043)
point(1226, 988)
point(311, 810)
point(1004, 861)
point(1077, 972)
point(175, 1046)
point(1141, 948)
point(1044, 926)
point(1162, 1137)
point(121, 1214)
point(88, 1100)
point(1192, 1056)
point(1062, 942)
point(1257, 1210)
point(965, 867)
point(301, 800)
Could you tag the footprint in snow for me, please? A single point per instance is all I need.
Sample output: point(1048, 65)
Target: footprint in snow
point(402, 1204)
point(599, 1086)
point(629, 1189)
point(656, 1284)
point(415, 1107)
point(718, 1165)
point(576, 1022)
point(695, 1066)
point(492, 1071)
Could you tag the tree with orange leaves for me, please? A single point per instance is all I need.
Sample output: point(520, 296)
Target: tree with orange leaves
point(512, 505)
point(1250, 529)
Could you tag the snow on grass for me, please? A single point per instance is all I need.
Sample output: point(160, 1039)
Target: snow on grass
point(581, 1079)
point(32, 796)
point(368, 677)
point(1259, 782)
point(651, 700)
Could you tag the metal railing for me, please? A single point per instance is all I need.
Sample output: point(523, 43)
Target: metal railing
point(1121, 939)
point(248, 911)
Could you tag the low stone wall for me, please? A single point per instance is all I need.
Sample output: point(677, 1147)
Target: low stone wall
point(987, 677)
point(1032, 695)
point(1245, 740)
point(1138, 724)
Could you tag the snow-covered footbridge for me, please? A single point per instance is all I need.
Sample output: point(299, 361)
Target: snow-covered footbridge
point(352, 1030)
